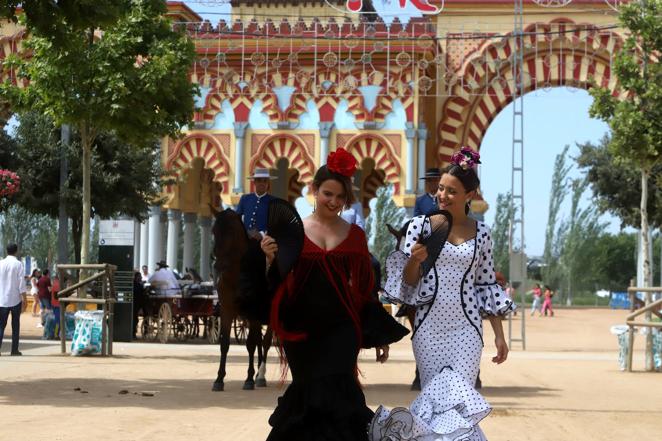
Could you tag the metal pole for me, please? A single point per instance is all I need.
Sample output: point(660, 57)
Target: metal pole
point(63, 219)
point(517, 169)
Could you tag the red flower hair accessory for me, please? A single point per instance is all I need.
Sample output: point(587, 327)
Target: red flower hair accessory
point(341, 162)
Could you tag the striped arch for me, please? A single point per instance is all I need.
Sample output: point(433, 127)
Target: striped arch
point(379, 149)
point(200, 145)
point(287, 146)
point(484, 84)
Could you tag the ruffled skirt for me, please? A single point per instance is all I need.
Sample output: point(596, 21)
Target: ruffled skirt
point(447, 409)
point(331, 408)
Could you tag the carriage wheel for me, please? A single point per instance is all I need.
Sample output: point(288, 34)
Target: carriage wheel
point(213, 325)
point(240, 329)
point(180, 328)
point(164, 322)
point(148, 328)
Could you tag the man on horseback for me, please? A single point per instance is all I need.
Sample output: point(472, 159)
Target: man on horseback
point(427, 202)
point(254, 207)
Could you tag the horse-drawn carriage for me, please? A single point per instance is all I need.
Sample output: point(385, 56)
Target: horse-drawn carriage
point(182, 314)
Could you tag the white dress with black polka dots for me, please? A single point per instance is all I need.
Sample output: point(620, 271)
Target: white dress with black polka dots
point(447, 337)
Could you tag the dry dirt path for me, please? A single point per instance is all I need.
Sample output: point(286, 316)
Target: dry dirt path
point(566, 386)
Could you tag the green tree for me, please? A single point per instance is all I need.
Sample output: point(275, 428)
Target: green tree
point(580, 232)
point(35, 234)
point(126, 75)
point(614, 261)
point(635, 119)
point(500, 232)
point(55, 18)
point(555, 232)
point(126, 178)
point(381, 241)
point(616, 185)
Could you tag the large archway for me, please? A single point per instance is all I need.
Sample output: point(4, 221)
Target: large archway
point(560, 53)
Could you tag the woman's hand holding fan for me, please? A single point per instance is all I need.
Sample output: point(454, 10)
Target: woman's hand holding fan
point(269, 248)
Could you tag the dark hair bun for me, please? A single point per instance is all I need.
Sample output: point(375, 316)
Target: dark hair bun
point(467, 177)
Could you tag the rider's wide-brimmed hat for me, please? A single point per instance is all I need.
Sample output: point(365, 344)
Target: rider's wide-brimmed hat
point(262, 173)
point(432, 173)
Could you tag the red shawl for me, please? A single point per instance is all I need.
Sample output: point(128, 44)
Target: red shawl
point(350, 260)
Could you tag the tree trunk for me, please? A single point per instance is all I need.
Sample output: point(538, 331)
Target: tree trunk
point(86, 141)
point(645, 246)
point(75, 237)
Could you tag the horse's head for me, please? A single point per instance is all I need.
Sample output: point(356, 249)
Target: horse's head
point(230, 240)
point(398, 234)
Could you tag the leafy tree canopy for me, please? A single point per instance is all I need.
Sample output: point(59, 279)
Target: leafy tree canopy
point(54, 18)
point(616, 185)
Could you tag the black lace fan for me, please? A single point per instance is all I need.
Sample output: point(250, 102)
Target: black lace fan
point(441, 222)
point(285, 226)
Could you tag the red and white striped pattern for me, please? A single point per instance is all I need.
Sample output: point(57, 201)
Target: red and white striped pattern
point(376, 147)
point(483, 85)
point(199, 145)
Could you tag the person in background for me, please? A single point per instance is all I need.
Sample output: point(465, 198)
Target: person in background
point(537, 295)
point(145, 274)
point(254, 207)
point(165, 278)
point(34, 291)
point(427, 202)
point(44, 292)
point(547, 302)
point(12, 284)
point(55, 304)
point(138, 300)
point(353, 214)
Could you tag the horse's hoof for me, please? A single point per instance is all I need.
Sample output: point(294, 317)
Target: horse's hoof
point(218, 386)
point(249, 385)
point(261, 382)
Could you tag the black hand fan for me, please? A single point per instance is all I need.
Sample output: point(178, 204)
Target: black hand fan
point(441, 222)
point(285, 226)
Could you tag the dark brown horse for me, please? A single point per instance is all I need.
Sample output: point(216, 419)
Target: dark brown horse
point(230, 244)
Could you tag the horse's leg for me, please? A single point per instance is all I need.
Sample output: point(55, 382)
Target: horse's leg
point(261, 380)
point(252, 341)
point(224, 339)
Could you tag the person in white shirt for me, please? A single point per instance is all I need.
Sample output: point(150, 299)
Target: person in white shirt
point(164, 279)
point(354, 215)
point(12, 284)
point(144, 275)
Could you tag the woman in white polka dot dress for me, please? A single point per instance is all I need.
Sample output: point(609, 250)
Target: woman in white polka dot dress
point(450, 300)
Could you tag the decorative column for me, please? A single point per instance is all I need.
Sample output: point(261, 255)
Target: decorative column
point(189, 234)
point(410, 133)
point(174, 217)
point(422, 138)
point(136, 244)
point(164, 233)
point(155, 237)
point(239, 134)
point(205, 240)
point(144, 244)
point(325, 133)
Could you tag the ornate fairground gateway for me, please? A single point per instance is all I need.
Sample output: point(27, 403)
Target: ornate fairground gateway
point(284, 82)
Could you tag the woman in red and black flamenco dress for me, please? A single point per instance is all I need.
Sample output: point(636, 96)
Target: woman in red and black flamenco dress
point(323, 314)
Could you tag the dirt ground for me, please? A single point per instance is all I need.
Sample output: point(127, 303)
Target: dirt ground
point(566, 386)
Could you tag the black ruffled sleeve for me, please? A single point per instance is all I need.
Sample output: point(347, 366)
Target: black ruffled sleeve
point(256, 286)
point(378, 327)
